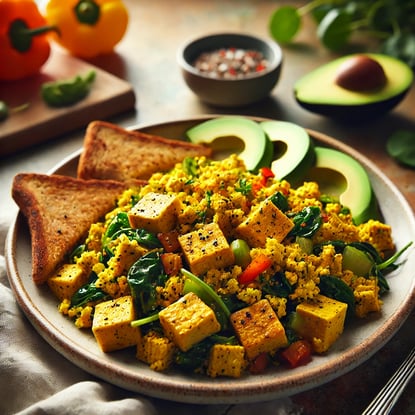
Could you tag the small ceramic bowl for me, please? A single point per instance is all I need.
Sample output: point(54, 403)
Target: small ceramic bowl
point(230, 92)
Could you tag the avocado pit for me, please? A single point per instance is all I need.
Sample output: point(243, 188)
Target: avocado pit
point(361, 73)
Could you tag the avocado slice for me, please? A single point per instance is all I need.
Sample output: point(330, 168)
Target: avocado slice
point(344, 178)
point(238, 135)
point(319, 92)
point(293, 150)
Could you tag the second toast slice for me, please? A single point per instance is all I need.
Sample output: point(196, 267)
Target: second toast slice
point(112, 152)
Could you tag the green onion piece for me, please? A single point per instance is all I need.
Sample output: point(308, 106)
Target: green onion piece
point(145, 320)
point(206, 294)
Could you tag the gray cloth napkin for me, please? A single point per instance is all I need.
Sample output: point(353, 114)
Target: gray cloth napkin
point(35, 379)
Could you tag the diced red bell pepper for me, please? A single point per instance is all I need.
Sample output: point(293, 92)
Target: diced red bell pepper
point(258, 265)
point(169, 240)
point(265, 174)
point(297, 353)
point(259, 364)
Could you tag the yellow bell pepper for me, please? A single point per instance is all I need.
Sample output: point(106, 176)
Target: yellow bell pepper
point(88, 28)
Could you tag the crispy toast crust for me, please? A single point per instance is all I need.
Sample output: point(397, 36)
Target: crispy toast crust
point(111, 152)
point(59, 211)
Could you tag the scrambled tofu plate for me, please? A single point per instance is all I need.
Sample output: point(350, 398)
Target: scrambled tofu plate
point(221, 271)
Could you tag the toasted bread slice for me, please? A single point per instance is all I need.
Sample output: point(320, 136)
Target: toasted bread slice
point(111, 152)
point(59, 211)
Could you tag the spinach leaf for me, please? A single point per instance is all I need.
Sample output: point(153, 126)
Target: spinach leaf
point(307, 222)
point(280, 201)
point(88, 293)
point(77, 252)
point(143, 277)
point(120, 224)
point(338, 246)
point(198, 355)
point(337, 289)
point(147, 239)
point(278, 285)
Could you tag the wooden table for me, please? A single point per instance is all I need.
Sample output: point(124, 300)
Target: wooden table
point(147, 59)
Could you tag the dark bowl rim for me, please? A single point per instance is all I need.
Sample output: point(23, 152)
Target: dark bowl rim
point(274, 64)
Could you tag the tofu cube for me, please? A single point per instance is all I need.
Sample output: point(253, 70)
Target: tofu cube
point(266, 221)
point(258, 328)
point(156, 350)
point(320, 321)
point(67, 280)
point(188, 321)
point(367, 298)
point(226, 360)
point(111, 324)
point(206, 248)
point(155, 212)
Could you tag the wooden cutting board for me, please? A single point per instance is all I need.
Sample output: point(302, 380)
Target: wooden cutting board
point(109, 96)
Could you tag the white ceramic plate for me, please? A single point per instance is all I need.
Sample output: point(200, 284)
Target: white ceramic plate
point(356, 345)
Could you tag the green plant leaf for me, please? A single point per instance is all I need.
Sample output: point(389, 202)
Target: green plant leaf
point(401, 146)
point(401, 46)
point(284, 23)
point(335, 28)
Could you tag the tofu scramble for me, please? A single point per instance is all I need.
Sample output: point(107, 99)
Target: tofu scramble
point(222, 271)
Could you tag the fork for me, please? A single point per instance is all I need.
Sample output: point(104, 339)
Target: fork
point(387, 397)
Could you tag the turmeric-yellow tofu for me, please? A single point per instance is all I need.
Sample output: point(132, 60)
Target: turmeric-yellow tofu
point(155, 350)
point(206, 248)
point(188, 321)
point(320, 321)
point(366, 296)
point(226, 360)
point(67, 280)
point(266, 221)
point(155, 212)
point(258, 328)
point(111, 324)
point(125, 254)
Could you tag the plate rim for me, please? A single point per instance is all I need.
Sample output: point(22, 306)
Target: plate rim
point(205, 392)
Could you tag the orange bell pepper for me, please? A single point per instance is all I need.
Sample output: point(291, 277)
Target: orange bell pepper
point(88, 28)
point(257, 266)
point(24, 46)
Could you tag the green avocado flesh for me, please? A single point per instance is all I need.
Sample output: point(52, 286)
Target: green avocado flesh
point(234, 135)
point(297, 154)
point(341, 176)
point(318, 92)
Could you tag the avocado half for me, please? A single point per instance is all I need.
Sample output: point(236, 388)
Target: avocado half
point(318, 91)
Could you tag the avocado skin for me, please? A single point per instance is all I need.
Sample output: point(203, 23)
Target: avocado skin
point(356, 112)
